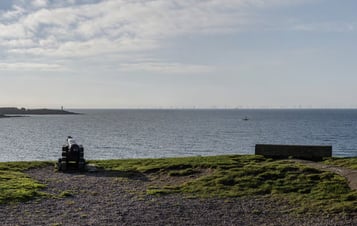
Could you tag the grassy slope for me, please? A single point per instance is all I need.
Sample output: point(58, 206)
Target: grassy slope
point(229, 176)
point(17, 186)
point(345, 162)
point(236, 176)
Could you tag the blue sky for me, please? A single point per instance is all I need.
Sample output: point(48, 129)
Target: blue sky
point(178, 53)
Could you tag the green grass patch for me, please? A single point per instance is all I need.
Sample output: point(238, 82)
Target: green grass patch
point(169, 164)
point(184, 172)
point(344, 162)
point(17, 186)
point(234, 176)
point(21, 166)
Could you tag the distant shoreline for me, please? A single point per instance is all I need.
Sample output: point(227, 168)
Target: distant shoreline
point(11, 116)
point(222, 109)
point(14, 112)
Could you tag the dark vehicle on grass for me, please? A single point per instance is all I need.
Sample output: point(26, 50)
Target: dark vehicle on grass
point(72, 156)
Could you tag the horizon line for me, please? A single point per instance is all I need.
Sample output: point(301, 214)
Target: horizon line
point(185, 108)
point(212, 108)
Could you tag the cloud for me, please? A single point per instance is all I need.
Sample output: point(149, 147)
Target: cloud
point(30, 67)
point(78, 49)
point(326, 27)
point(67, 30)
point(101, 23)
point(166, 68)
point(39, 3)
point(14, 13)
point(18, 43)
point(12, 32)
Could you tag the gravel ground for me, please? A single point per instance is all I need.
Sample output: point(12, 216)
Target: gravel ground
point(117, 198)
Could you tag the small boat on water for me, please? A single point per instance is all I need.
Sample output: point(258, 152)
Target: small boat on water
point(245, 118)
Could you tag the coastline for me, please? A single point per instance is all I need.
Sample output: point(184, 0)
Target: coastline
point(14, 112)
point(12, 116)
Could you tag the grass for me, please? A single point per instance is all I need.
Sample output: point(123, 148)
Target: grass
point(17, 186)
point(308, 189)
point(22, 166)
point(170, 164)
point(345, 162)
point(236, 176)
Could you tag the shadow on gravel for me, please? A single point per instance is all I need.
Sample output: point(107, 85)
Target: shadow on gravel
point(132, 175)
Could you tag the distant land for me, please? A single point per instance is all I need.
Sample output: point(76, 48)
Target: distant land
point(5, 111)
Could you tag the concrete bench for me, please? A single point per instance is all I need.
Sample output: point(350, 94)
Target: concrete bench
point(310, 152)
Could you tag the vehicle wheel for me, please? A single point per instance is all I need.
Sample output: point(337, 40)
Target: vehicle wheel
point(59, 164)
point(81, 166)
point(63, 166)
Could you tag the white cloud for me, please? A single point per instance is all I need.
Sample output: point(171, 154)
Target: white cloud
point(127, 24)
point(18, 43)
point(166, 68)
point(12, 31)
point(30, 67)
point(16, 12)
point(39, 3)
point(67, 30)
point(326, 27)
point(94, 47)
point(57, 17)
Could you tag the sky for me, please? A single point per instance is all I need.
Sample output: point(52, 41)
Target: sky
point(178, 53)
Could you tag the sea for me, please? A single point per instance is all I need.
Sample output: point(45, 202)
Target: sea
point(157, 133)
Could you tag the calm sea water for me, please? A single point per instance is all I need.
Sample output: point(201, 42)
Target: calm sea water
point(108, 134)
